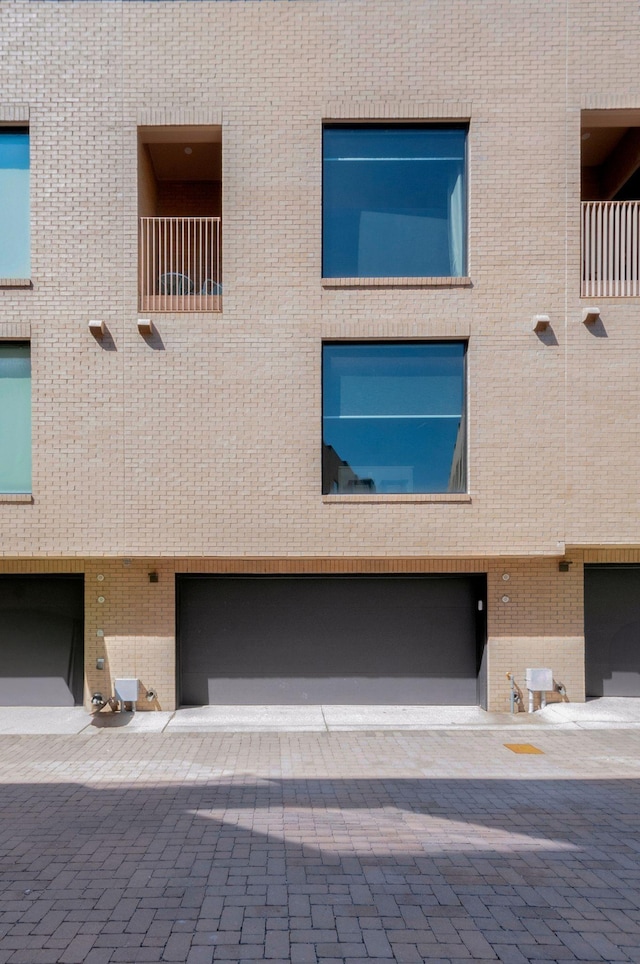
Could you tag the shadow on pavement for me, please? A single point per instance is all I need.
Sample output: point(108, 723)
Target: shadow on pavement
point(325, 869)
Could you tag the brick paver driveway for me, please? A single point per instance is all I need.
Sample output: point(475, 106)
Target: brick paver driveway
point(422, 846)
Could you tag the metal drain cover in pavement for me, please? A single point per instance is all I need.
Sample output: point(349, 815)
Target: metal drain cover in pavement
point(523, 748)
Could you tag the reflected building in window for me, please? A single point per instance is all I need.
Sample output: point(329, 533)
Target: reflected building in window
point(339, 477)
point(395, 413)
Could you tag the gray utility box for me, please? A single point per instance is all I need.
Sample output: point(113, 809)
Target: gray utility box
point(538, 681)
point(126, 690)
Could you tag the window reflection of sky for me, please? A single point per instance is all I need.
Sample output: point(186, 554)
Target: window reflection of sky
point(393, 202)
point(393, 413)
point(14, 204)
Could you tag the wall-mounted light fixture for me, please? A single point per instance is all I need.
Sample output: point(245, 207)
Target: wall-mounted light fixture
point(540, 323)
point(153, 576)
point(97, 328)
point(145, 326)
point(590, 315)
point(564, 565)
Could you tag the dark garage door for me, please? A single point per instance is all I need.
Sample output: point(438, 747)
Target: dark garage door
point(41, 640)
point(329, 639)
point(612, 630)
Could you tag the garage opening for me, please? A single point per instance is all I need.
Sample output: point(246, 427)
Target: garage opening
point(41, 640)
point(612, 630)
point(340, 639)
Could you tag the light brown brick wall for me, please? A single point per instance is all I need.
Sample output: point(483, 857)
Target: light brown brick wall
point(204, 442)
point(541, 625)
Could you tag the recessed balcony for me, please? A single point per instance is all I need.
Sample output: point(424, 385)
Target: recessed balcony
point(179, 218)
point(610, 211)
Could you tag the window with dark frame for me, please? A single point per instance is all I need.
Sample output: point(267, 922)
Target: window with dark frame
point(394, 418)
point(394, 201)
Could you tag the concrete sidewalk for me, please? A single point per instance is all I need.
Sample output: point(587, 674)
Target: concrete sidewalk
point(595, 714)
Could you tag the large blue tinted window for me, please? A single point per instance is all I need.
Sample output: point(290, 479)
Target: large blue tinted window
point(15, 417)
point(394, 202)
point(394, 418)
point(15, 259)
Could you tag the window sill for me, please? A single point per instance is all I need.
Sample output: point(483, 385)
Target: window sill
point(397, 282)
point(15, 283)
point(457, 497)
point(12, 497)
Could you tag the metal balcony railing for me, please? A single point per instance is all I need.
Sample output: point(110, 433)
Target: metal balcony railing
point(180, 264)
point(610, 249)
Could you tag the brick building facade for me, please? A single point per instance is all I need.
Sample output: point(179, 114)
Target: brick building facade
point(175, 312)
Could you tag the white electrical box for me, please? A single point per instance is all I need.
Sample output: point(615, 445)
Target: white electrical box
point(126, 690)
point(539, 679)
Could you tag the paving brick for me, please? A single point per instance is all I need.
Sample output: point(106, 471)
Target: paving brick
point(135, 955)
point(277, 945)
point(510, 954)
point(98, 956)
point(200, 955)
point(377, 944)
point(477, 945)
point(77, 949)
point(177, 948)
point(34, 956)
point(303, 953)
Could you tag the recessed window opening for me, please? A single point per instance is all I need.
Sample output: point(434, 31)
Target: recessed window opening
point(610, 155)
point(180, 208)
point(610, 193)
point(394, 418)
point(394, 201)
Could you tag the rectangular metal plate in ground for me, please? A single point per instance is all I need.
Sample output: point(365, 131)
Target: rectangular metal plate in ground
point(523, 748)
